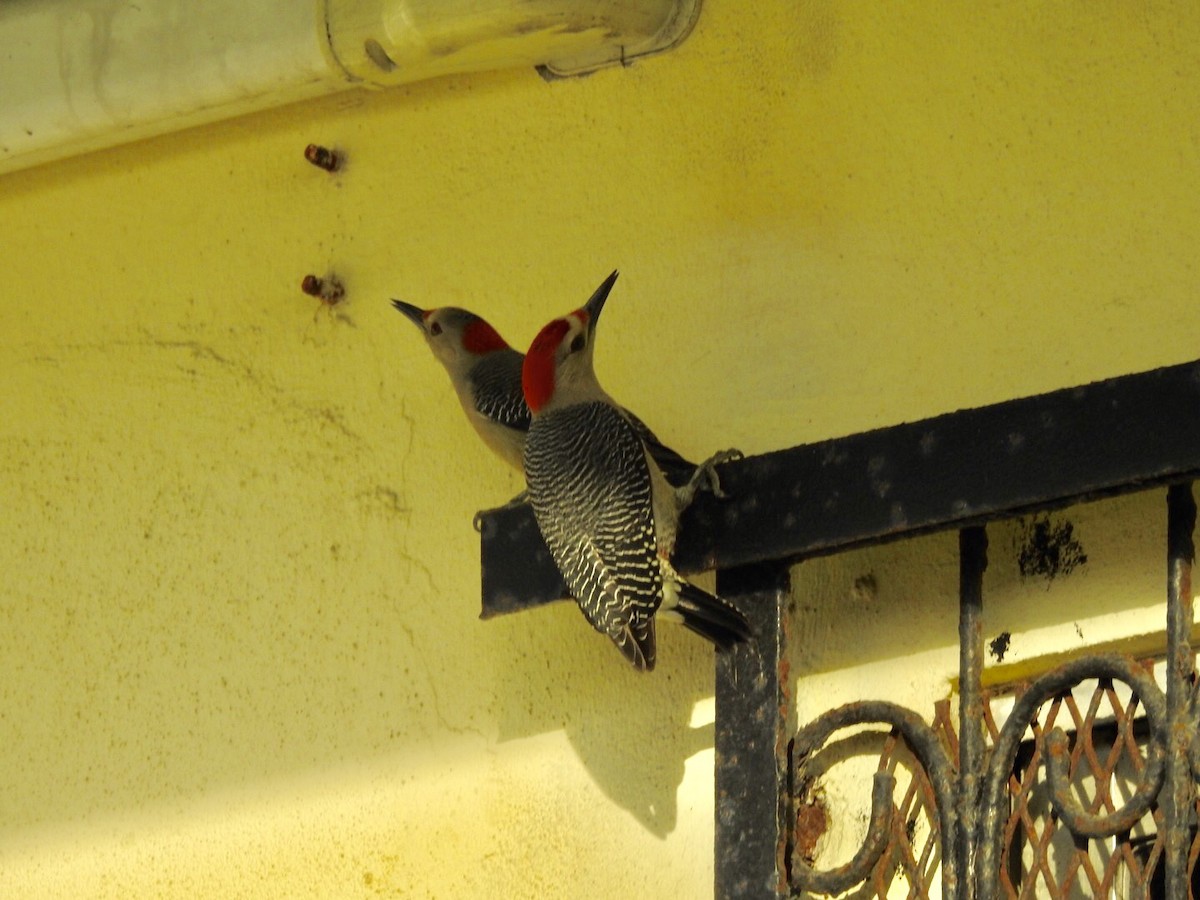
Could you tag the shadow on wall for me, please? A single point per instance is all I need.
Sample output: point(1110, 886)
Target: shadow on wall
point(610, 713)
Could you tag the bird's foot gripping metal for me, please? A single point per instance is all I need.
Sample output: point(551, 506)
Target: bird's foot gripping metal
point(706, 476)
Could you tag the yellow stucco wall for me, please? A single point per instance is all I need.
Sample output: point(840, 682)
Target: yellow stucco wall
point(238, 617)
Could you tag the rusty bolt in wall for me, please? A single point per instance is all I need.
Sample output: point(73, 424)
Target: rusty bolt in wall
point(323, 157)
point(329, 290)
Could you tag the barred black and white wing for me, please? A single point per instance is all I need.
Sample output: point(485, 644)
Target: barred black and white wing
point(677, 470)
point(496, 388)
point(590, 489)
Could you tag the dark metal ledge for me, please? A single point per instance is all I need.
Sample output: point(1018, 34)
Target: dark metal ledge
point(950, 471)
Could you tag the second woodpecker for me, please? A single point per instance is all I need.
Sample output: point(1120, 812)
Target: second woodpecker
point(485, 372)
point(605, 508)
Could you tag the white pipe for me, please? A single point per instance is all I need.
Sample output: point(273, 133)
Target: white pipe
point(79, 75)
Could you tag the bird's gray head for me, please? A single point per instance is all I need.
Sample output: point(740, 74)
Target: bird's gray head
point(456, 336)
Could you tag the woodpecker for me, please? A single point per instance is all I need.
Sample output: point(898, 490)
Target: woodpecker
point(608, 513)
point(486, 374)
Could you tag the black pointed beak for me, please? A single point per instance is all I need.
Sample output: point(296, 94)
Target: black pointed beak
point(595, 305)
point(415, 314)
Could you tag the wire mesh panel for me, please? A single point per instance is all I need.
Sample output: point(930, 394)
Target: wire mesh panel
point(1105, 762)
point(912, 858)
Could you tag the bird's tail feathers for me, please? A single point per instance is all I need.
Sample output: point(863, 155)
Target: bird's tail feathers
point(711, 617)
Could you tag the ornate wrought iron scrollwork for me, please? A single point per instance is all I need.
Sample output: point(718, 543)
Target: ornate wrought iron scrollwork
point(1079, 821)
point(928, 751)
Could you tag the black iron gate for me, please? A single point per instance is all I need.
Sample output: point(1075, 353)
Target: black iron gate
point(998, 797)
point(972, 819)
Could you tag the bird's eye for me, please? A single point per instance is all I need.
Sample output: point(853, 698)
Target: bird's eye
point(435, 329)
point(578, 343)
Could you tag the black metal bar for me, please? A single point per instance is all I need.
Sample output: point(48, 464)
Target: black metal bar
point(950, 471)
point(1179, 790)
point(972, 562)
point(750, 743)
point(516, 569)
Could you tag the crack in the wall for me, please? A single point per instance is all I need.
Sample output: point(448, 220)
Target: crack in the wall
point(393, 502)
point(335, 419)
point(435, 698)
point(279, 397)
